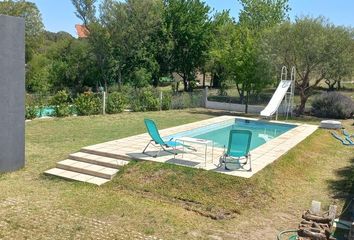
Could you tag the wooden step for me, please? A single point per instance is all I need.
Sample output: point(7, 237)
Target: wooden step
point(70, 175)
point(105, 154)
point(98, 160)
point(87, 168)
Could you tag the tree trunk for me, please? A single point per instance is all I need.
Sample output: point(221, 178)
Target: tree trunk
point(185, 85)
point(247, 99)
point(119, 78)
point(339, 86)
point(303, 100)
point(203, 79)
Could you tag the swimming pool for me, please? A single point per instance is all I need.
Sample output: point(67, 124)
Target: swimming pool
point(262, 131)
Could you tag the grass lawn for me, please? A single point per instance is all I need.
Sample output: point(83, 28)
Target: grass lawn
point(148, 200)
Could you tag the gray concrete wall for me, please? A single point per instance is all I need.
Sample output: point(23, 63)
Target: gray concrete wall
point(12, 93)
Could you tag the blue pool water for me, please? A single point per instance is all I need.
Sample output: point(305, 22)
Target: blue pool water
point(219, 133)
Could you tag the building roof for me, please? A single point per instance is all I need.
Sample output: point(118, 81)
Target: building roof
point(82, 31)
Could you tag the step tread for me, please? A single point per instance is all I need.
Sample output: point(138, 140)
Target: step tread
point(96, 159)
point(87, 168)
point(105, 154)
point(71, 175)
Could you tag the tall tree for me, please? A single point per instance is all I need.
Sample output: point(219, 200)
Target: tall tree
point(85, 10)
point(33, 22)
point(190, 27)
point(223, 33)
point(258, 15)
point(316, 48)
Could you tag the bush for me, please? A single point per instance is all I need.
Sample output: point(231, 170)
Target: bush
point(115, 102)
point(140, 77)
point(145, 100)
point(88, 104)
point(166, 101)
point(31, 111)
point(61, 104)
point(333, 105)
point(187, 100)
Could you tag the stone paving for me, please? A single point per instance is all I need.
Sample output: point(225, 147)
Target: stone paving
point(20, 219)
point(132, 147)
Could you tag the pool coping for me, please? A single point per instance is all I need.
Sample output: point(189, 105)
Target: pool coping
point(130, 148)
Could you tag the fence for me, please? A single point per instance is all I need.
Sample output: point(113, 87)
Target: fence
point(235, 107)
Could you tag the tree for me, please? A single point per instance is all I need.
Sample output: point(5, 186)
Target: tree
point(316, 48)
point(71, 66)
point(249, 65)
point(223, 31)
point(37, 74)
point(258, 15)
point(341, 67)
point(102, 51)
point(125, 39)
point(190, 28)
point(85, 10)
point(33, 22)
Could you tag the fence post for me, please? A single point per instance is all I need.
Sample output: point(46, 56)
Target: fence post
point(104, 103)
point(161, 95)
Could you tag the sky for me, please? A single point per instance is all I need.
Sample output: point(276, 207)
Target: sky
point(58, 15)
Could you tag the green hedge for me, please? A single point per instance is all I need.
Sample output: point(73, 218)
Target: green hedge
point(61, 102)
point(145, 99)
point(88, 103)
point(115, 102)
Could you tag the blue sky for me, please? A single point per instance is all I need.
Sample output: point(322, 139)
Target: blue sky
point(58, 15)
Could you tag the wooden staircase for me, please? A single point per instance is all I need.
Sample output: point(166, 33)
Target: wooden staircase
point(88, 167)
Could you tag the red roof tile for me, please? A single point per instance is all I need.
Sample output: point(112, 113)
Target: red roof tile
point(82, 31)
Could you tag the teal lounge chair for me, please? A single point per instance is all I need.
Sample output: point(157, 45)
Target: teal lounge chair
point(158, 141)
point(347, 141)
point(238, 149)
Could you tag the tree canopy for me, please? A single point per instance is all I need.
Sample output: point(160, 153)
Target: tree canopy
point(190, 29)
point(138, 43)
point(33, 22)
point(318, 49)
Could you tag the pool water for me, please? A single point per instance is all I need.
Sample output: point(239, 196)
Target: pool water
point(262, 131)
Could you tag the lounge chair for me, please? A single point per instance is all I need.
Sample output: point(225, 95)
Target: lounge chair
point(347, 141)
point(238, 149)
point(157, 140)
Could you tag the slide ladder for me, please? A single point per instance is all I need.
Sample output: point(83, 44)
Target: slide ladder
point(284, 92)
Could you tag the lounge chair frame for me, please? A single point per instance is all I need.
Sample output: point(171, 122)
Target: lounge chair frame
point(161, 148)
point(227, 158)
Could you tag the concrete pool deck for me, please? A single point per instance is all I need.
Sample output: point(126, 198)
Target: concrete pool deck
point(131, 148)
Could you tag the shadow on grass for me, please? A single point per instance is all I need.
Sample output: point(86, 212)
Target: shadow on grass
point(343, 188)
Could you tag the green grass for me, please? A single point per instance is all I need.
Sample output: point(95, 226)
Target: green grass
point(167, 201)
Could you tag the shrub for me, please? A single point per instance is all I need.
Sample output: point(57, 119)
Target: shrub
point(187, 100)
point(166, 101)
point(31, 111)
point(61, 104)
point(332, 105)
point(145, 100)
point(115, 102)
point(88, 104)
point(140, 77)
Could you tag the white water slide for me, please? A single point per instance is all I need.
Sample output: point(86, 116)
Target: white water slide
point(285, 91)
